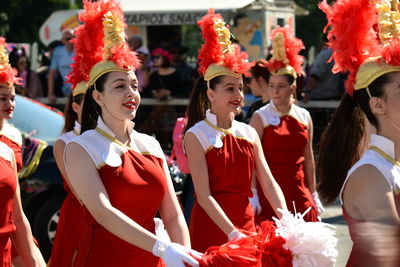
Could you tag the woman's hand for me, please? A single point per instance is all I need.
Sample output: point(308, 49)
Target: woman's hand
point(176, 255)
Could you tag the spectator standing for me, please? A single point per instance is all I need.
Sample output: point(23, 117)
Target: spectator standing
point(61, 61)
point(323, 84)
point(187, 73)
point(164, 83)
point(31, 85)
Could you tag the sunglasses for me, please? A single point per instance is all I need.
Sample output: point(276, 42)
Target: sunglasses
point(156, 56)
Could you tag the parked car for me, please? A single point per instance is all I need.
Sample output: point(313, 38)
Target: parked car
point(41, 184)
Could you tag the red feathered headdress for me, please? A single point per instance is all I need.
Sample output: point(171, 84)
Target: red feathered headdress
point(218, 56)
point(364, 39)
point(8, 75)
point(285, 51)
point(100, 45)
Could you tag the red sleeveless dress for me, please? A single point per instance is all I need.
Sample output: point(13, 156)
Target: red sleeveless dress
point(230, 163)
point(284, 140)
point(136, 183)
point(70, 223)
point(8, 186)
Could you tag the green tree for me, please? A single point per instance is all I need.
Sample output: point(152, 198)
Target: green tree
point(20, 20)
point(310, 28)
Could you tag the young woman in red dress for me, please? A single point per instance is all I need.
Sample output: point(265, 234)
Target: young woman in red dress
point(286, 131)
point(222, 152)
point(69, 228)
point(120, 175)
point(13, 223)
point(366, 182)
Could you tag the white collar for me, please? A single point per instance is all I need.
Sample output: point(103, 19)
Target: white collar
point(211, 117)
point(77, 127)
point(385, 144)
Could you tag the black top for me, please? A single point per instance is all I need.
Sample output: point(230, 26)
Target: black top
point(254, 107)
point(171, 82)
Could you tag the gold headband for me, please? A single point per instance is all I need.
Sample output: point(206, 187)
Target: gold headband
point(370, 71)
point(80, 88)
point(285, 70)
point(215, 70)
point(101, 68)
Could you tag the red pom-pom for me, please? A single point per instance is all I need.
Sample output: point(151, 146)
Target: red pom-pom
point(352, 36)
point(293, 46)
point(273, 252)
point(237, 253)
point(211, 52)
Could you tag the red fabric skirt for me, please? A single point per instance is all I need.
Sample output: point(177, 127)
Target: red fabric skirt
point(69, 232)
point(204, 233)
point(100, 248)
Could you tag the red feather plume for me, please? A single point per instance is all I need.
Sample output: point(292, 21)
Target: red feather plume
point(352, 36)
point(89, 42)
point(211, 52)
point(293, 46)
point(8, 74)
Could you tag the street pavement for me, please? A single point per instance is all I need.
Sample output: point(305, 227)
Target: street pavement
point(333, 215)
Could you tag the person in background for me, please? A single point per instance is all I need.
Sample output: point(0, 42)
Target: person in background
point(135, 42)
point(187, 73)
point(60, 62)
point(13, 222)
point(143, 72)
point(178, 154)
point(164, 83)
point(366, 182)
point(69, 228)
point(258, 83)
point(120, 175)
point(30, 82)
point(286, 132)
point(322, 83)
point(222, 153)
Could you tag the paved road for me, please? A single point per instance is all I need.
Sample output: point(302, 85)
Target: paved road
point(333, 215)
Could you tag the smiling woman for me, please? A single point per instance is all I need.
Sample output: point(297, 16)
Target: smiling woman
point(215, 144)
point(120, 175)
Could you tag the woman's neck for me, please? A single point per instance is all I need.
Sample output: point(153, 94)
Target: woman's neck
point(1, 124)
point(392, 132)
point(224, 119)
point(265, 98)
point(284, 108)
point(120, 128)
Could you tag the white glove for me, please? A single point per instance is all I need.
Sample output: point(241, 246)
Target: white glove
point(235, 235)
point(255, 202)
point(161, 233)
point(175, 255)
point(317, 202)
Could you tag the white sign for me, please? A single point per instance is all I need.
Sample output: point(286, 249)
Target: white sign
point(57, 23)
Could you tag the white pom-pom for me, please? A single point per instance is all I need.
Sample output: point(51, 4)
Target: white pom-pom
point(311, 243)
